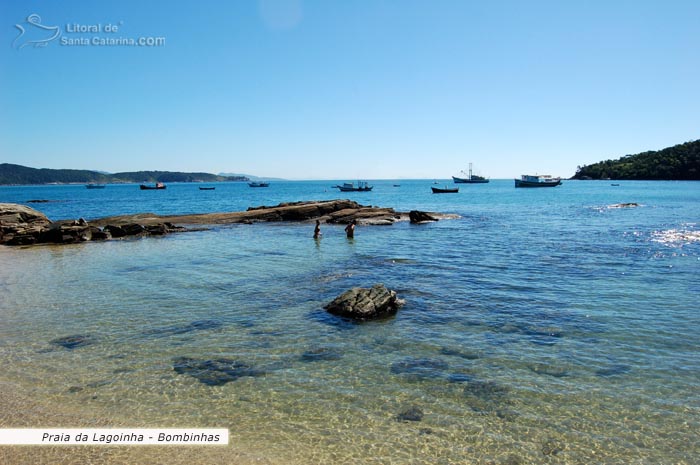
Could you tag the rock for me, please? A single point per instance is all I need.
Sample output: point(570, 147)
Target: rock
point(412, 413)
point(624, 205)
point(365, 304)
point(416, 216)
point(73, 342)
point(133, 229)
point(114, 231)
point(97, 234)
point(21, 225)
point(215, 372)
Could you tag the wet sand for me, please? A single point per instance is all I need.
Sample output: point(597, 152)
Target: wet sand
point(18, 411)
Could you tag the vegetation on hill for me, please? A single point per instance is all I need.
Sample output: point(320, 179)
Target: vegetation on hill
point(18, 174)
point(680, 162)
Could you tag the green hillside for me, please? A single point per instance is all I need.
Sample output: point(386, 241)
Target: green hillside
point(680, 162)
point(18, 174)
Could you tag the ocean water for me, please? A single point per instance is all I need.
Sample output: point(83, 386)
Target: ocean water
point(541, 326)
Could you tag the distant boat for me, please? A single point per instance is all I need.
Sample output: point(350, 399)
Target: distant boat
point(158, 186)
point(259, 184)
point(537, 180)
point(397, 185)
point(95, 186)
point(362, 186)
point(207, 188)
point(445, 190)
point(470, 179)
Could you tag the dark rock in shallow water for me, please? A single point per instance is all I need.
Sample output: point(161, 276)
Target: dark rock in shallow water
point(417, 369)
point(487, 390)
point(365, 304)
point(73, 342)
point(486, 396)
point(318, 354)
point(114, 231)
point(412, 413)
point(215, 372)
point(416, 216)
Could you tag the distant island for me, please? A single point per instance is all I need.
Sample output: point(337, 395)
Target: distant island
point(678, 163)
point(18, 174)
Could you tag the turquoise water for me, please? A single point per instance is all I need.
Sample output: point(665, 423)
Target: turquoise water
point(542, 326)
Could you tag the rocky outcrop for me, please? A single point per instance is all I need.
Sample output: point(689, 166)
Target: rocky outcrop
point(365, 304)
point(21, 225)
point(328, 211)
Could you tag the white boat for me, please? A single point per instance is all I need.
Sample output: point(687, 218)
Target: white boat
point(537, 180)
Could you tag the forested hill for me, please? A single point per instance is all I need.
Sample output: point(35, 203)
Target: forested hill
point(680, 162)
point(18, 174)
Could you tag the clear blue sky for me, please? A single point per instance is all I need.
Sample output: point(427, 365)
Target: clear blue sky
point(321, 89)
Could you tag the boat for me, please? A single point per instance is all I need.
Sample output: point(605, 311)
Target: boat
point(158, 186)
point(470, 179)
point(207, 188)
point(362, 186)
point(537, 180)
point(258, 184)
point(445, 190)
point(95, 186)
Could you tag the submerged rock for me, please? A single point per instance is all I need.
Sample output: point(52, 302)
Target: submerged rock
point(73, 342)
point(365, 304)
point(214, 372)
point(412, 413)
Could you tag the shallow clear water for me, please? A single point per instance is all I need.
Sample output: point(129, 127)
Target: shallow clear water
point(542, 326)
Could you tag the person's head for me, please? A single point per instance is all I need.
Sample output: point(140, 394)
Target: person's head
point(318, 222)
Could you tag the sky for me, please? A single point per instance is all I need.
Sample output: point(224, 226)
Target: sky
point(351, 89)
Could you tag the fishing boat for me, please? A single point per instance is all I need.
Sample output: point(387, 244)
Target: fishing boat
point(362, 186)
point(445, 190)
point(95, 186)
point(158, 186)
point(259, 184)
point(470, 179)
point(537, 180)
point(207, 188)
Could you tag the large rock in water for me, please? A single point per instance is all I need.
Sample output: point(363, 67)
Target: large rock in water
point(20, 224)
point(417, 216)
point(365, 304)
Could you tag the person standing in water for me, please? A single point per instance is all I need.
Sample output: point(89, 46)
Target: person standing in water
point(317, 230)
point(350, 229)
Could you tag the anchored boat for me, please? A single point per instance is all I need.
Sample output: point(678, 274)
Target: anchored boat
point(470, 179)
point(537, 180)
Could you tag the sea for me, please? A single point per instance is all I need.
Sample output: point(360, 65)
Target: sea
point(541, 326)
